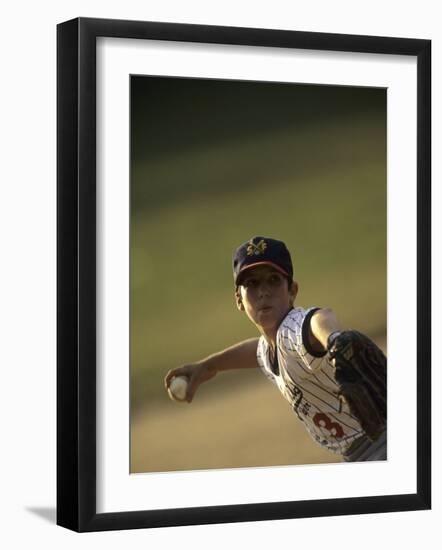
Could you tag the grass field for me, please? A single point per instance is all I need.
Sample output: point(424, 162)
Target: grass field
point(322, 189)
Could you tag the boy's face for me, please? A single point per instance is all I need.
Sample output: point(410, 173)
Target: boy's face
point(265, 296)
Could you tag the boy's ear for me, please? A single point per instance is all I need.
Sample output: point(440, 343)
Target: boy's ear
point(238, 299)
point(293, 290)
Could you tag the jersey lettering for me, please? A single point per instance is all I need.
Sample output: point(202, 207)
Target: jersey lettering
point(298, 395)
point(323, 421)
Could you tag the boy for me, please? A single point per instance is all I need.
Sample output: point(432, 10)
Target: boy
point(334, 380)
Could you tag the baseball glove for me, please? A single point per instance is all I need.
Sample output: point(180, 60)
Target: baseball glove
point(361, 372)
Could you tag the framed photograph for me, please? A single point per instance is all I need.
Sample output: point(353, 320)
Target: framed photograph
point(235, 197)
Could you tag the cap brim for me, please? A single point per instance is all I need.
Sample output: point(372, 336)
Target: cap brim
point(247, 267)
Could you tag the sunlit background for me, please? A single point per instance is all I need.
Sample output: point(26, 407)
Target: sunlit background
point(212, 164)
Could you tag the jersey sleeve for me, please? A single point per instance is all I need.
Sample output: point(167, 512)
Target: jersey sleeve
point(294, 337)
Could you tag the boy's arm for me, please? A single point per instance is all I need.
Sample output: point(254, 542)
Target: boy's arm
point(239, 356)
point(322, 324)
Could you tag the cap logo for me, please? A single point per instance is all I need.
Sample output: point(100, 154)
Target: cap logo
point(256, 249)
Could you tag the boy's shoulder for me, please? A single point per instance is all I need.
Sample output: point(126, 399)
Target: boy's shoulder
point(292, 343)
point(293, 333)
point(292, 330)
point(291, 326)
point(295, 319)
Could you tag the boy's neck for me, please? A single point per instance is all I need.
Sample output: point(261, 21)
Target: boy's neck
point(270, 338)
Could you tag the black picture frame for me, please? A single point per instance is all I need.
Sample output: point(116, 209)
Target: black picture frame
point(76, 274)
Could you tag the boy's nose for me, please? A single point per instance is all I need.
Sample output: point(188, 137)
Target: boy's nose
point(264, 289)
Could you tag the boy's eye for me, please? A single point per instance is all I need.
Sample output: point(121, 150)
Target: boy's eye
point(275, 279)
point(250, 282)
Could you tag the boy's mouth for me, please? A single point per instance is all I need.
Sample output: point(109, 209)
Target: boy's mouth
point(265, 308)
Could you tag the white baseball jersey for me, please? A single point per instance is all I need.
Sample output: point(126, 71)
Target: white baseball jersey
point(308, 383)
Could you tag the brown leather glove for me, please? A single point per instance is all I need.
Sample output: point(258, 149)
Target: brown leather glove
point(361, 371)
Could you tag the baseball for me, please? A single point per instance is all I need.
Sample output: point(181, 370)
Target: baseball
point(178, 388)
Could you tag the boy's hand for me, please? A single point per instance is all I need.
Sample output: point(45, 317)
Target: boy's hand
point(196, 373)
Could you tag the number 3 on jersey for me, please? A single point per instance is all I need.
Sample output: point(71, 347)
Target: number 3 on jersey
point(323, 421)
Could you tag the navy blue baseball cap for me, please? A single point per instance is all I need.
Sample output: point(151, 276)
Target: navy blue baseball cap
point(261, 251)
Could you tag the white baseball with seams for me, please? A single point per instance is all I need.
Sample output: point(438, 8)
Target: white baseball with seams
point(178, 388)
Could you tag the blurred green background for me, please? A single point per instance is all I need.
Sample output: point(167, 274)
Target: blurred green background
point(216, 162)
